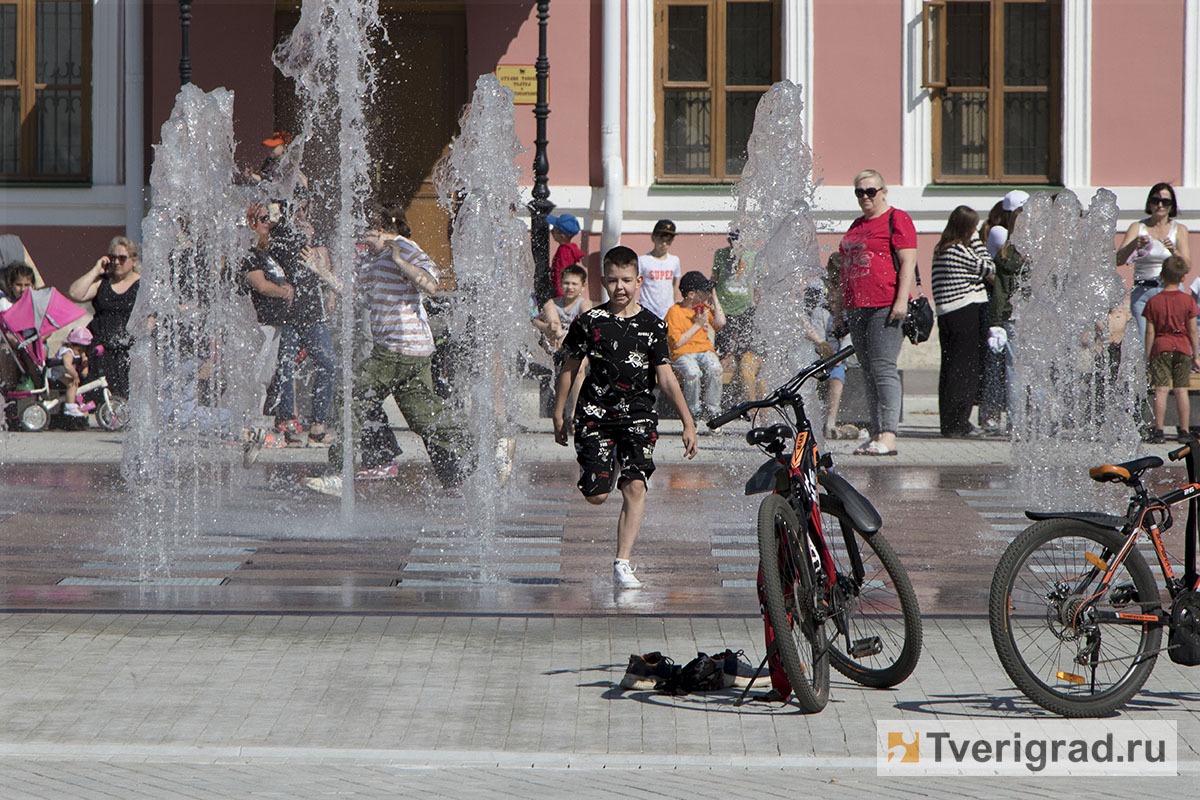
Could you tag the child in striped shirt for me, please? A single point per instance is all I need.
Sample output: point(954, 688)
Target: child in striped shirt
point(392, 282)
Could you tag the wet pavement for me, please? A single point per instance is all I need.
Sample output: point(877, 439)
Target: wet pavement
point(283, 650)
point(267, 545)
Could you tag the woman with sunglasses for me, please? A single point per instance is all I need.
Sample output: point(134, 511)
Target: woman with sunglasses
point(874, 295)
point(111, 286)
point(1150, 242)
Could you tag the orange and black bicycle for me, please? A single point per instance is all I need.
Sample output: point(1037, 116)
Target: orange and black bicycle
point(834, 592)
point(1075, 611)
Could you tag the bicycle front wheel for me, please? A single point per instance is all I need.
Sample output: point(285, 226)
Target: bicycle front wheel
point(788, 590)
point(881, 644)
point(1044, 624)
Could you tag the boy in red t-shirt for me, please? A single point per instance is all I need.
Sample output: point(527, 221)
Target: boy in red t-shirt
point(563, 229)
point(1171, 345)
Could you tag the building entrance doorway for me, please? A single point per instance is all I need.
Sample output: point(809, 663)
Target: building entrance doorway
point(421, 72)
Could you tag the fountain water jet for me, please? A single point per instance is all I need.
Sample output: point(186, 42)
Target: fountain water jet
point(329, 57)
point(1075, 406)
point(193, 335)
point(774, 216)
point(478, 182)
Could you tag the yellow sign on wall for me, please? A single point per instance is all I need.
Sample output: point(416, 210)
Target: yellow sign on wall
point(522, 79)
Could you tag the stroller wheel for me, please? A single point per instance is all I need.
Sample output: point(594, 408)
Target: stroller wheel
point(113, 415)
point(35, 417)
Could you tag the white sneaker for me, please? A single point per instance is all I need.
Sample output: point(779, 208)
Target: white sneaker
point(325, 484)
point(623, 575)
point(253, 446)
point(73, 410)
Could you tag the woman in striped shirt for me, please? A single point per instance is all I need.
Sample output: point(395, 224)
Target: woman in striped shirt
point(960, 266)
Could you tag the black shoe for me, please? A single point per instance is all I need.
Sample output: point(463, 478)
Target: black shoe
point(646, 671)
point(1182, 435)
point(1157, 436)
point(738, 672)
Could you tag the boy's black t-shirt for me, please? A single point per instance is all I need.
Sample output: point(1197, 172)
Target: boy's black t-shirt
point(622, 355)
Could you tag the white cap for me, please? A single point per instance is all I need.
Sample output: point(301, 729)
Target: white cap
point(1015, 199)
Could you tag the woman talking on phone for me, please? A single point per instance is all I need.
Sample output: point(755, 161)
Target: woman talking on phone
point(111, 286)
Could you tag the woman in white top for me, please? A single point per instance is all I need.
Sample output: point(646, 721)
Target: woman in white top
point(1148, 244)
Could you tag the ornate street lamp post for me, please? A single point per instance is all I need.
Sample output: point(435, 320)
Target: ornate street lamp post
point(185, 61)
point(540, 205)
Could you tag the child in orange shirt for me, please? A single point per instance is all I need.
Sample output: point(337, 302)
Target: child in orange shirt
point(690, 324)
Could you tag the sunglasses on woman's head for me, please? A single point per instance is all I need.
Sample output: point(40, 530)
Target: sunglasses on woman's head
point(1161, 201)
point(870, 191)
point(115, 257)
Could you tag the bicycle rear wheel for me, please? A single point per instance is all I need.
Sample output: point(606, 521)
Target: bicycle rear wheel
point(1048, 641)
point(882, 617)
point(788, 591)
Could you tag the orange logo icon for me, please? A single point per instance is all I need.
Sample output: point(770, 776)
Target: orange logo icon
point(908, 752)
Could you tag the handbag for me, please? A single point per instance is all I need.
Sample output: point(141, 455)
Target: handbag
point(918, 320)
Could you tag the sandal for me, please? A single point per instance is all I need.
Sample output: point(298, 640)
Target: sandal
point(875, 449)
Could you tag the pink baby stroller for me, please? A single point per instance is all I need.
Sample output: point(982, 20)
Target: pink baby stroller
point(23, 328)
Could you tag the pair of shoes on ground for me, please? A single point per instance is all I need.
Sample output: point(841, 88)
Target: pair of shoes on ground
point(874, 449)
point(647, 671)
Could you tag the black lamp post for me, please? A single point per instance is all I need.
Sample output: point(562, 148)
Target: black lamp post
point(185, 61)
point(540, 205)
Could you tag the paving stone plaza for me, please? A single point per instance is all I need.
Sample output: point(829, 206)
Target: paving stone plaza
point(284, 653)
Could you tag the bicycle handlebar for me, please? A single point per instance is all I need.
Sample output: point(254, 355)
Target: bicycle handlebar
point(1175, 455)
point(784, 392)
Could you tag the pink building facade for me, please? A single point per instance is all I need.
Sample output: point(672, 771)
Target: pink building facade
point(1123, 88)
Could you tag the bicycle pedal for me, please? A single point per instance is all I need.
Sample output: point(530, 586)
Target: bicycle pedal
point(868, 646)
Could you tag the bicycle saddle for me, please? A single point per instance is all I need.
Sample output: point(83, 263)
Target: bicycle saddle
point(1126, 472)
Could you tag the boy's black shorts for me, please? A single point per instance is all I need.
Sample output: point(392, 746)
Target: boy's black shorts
point(603, 447)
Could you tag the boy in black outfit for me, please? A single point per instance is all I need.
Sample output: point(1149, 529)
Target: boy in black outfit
point(615, 423)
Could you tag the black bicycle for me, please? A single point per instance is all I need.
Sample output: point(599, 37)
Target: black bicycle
point(1075, 612)
point(841, 600)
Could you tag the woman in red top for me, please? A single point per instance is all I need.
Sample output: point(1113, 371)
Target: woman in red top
point(874, 296)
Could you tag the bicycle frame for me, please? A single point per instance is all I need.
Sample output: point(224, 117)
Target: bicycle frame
point(797, 476)
point(1141, 516)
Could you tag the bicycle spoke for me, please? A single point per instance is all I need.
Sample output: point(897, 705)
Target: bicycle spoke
point(1044, 598)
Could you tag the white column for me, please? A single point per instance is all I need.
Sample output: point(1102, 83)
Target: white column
point(134, 110)
point(1077, 94)
point(639, 103)
point(1191, 93)
point(798, 53)
point(106, 93)
point(916, 152)
point(610, 126)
